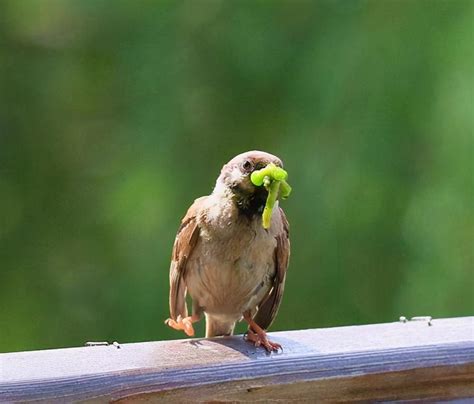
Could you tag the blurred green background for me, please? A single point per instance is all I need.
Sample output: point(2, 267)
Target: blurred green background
point(115, 115)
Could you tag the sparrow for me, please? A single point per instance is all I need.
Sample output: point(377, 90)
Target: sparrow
point(231, 266)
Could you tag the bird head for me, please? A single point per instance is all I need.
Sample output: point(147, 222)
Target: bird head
point(235, 180)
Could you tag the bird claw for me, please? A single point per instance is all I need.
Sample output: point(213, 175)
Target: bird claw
point(182, 324)
point(260, 339)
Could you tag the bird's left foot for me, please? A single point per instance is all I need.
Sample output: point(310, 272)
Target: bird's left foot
point(258, 336)
point(260, 339)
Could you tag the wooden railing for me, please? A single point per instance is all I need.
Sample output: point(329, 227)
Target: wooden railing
point(394, 361)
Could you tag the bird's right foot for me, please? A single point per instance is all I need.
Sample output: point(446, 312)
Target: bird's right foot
point(183, 324)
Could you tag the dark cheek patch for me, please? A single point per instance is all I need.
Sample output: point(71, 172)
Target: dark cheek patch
point(251, 203)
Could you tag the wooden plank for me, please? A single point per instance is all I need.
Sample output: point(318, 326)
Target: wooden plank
point(372, 362)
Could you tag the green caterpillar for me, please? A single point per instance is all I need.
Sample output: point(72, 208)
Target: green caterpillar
point(274, 180)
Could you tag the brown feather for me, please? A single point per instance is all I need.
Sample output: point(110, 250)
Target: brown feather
point(268, 307)
point(186, 239)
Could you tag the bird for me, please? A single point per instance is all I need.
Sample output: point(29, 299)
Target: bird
point(232, 267)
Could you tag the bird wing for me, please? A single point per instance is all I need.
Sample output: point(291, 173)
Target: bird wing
point(186, 239)
point(268, 307)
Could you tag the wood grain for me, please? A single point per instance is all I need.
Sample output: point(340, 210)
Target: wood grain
point(394, 361)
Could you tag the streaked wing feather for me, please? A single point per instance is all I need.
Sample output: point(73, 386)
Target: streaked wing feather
point(268, 308)
point(186, 239)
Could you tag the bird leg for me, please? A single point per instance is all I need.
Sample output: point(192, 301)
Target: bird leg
point(258, 336)
point(185, 324)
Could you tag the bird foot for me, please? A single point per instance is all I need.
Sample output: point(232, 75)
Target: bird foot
point(182, 324)
point(260, 339)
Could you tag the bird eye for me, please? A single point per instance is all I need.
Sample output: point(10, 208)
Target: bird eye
point(247, 166)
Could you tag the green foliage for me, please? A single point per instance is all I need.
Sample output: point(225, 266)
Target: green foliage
point(114, 116)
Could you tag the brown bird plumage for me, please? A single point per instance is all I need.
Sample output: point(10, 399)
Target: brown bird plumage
point(231, 266)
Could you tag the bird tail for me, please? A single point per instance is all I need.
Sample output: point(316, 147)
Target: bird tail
point(216, 327)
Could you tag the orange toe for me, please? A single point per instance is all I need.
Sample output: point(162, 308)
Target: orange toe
point(260, 339)
point(182, 324)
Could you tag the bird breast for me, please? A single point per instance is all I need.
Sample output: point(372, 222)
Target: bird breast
point(229, 274)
